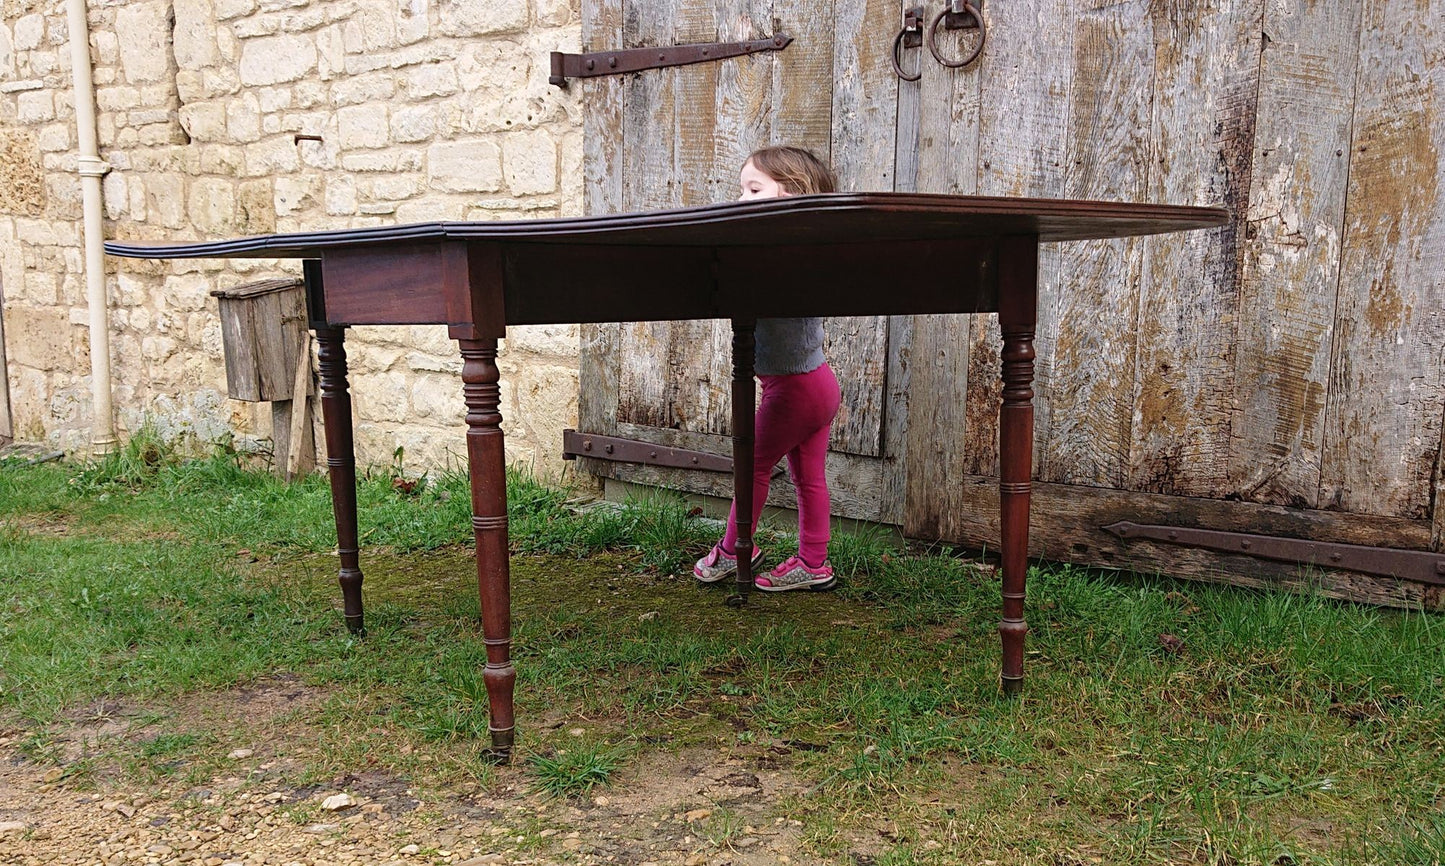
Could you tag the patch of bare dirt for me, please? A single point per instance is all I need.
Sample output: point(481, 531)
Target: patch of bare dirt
point(692, 807)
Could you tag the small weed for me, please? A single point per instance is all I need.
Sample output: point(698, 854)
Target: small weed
point(576, 770)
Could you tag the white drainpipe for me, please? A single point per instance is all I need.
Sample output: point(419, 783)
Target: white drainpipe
point(91, 170)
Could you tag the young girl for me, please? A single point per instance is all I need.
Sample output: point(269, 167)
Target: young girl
point(800, 398)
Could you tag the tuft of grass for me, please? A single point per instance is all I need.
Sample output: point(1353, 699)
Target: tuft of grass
point(574, 771)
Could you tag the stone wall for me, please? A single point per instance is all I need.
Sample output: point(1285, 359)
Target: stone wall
point(427, 110)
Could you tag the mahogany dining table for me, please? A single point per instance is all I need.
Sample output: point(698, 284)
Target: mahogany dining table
point(839, 254)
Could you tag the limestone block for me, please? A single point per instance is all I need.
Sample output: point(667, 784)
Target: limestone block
point(140, 320)
point(436, 79)
point(444, 363)
point(114, 195)
point(370, 87)
point(119, 98)
point(395, 187)
point(161, 133)
point(107, 48)
point(228, 9)
point(365, 357)
point(203, 121)
point(412, 24)
point(28, 394)
point(42, 63)
point(54, 138)
point(195, 34)
point(129, 290)
point(41, 287)
point(258, 212)
point(429, 210)
point(190, 85)
point(212, 206)
point(157, 347)
point(530, 160)
point(144, 40)
point(546, 405)
point(331, 52)
point(376, 161)
point(34, 107)
point(34, 231)
point(438, 398)
point(270, 124)
point(276, 156)
point(137, 205)
point(277, 59)
point(553, 13)
point(556, 340)
point(371, 27)
point(186, 292)
point(271, 99)
point(29, 32)
point(415, 123)
point(340, 195)
point(309, 94)
point(465, 166)
point(243, 117)
point(219, 81)
point(382, 397)
point(63, 193)
point(224, 159)
point(295, 192)
point(432, 339)
point(464, 18)
point(570, 154)
point(38, 336)
point(229, 46)
point(499, 66)
point(166, 199)
point(362, 126)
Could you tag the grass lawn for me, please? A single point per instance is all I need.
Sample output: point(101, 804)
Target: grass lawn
point(1276, 729)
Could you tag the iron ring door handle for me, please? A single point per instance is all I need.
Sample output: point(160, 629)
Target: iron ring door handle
point(968, 9)
point(898, 61)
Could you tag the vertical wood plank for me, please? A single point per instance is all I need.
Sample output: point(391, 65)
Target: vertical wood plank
point(944, 110)
point(1089, 330)
point(649, 182)
point(1382, 431)
point(1291, 273)
point(696, 379)
point(603, 141)
point(1205, 89)
point(1023, 136)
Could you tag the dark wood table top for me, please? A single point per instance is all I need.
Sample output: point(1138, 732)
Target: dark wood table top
point(834, 218)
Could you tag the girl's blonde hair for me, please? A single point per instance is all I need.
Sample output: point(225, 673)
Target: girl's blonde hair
point(798, 171)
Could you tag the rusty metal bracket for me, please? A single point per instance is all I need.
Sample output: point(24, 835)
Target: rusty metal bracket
point(576, 445)
point(565, 66)
point(1418, 565)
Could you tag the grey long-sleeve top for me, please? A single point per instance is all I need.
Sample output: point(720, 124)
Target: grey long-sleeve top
point(784, 346)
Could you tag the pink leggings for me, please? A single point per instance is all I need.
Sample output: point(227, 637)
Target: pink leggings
point(795, 418)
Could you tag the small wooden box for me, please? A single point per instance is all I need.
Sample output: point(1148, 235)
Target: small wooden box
point(263, 327)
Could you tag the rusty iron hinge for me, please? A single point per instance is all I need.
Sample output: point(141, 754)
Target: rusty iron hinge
point(576, 445)
point(565, 66)
point(1417, 565)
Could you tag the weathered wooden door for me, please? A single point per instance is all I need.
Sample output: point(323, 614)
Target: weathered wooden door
point(1281, 375)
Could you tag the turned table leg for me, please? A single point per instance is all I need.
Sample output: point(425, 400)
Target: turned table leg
point(744, 412)
point(1018, 311)
point(487, 463)
point(341, 467)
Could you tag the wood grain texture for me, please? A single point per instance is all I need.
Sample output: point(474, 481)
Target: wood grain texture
point(945, 110)
point(1206, 83)
point(1066, 521)
point(650, 181)
point(1382, 429)
point(1088, 327)
point(1291, 265)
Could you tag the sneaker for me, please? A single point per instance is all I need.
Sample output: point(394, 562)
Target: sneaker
point(793, 573)
point(719, 564)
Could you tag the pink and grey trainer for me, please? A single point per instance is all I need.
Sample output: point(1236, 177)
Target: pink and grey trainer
point(794, 573)
point(719, 564)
